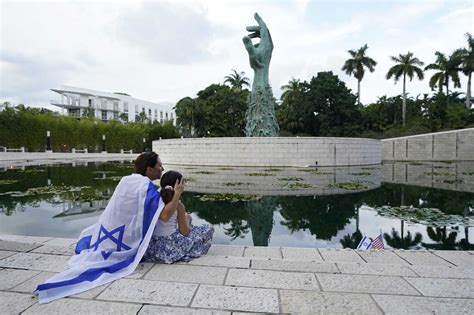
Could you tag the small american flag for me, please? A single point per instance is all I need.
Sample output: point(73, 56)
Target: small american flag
point(377, 242)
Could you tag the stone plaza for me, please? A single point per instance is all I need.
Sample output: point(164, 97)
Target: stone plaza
point(241, 279)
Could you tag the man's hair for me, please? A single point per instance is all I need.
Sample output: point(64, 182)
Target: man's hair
point(145, 160)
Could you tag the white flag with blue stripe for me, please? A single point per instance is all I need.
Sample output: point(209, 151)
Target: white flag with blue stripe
point(365, 243)
point(113, 247)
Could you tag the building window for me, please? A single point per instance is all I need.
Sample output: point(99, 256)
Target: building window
point(161, 121)
point(166, 116)
point(156, 113)
point(104, 115)
point(136, 109)
point(161, 115)
point(116, 105)
point(149, 112)
point(143, 109)
point(90, 102)
point(116, 115)
point(125, 107)
point(171, 115)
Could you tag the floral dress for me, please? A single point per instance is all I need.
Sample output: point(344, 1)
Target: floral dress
point(177, 247)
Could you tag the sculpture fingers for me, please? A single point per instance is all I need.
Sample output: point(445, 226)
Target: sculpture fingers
point(253, 28)
point(249, 46)
point(259, 20)
point(254, 35)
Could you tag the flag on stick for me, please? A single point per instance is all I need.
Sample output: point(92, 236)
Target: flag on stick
point(377, 243)
point(365, 243)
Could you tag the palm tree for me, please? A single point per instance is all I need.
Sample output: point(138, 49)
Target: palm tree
point(290, 90)
point(447, 68)
point(407, 65)
point(356, 64)
point(466, 55)
point(443, 240)
point(401, 241)
point(237, 80)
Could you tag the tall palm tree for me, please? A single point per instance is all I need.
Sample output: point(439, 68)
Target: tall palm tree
point(407, 65)
point(403, 242)
point(447, 68)
point(290, 90)
point(355, 66)
point(237, 80)
point(467, 67)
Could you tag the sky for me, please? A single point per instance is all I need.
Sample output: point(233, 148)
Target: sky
point(162, 51)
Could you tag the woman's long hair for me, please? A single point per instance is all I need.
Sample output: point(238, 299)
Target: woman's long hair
point(167, 182)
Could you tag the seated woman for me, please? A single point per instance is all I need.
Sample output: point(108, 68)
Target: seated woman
point(175, 238)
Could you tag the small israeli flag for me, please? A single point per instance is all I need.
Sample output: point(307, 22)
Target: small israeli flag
point(113, 247)
point(365, 243)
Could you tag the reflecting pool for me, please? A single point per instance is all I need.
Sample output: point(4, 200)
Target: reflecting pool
point(416, 205)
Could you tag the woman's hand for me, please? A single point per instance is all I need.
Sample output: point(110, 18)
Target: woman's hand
point(171, 206)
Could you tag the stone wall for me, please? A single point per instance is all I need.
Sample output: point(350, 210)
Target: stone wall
point(456, 145)
point(271, 151)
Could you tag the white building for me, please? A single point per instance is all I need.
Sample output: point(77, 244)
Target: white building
point(76, 102)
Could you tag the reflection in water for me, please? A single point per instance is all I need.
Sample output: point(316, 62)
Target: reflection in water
point(260, 218)
point(325, 214)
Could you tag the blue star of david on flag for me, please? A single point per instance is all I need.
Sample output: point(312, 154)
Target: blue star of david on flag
point(104, 235)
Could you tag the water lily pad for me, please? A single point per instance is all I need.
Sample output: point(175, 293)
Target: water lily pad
point(361, 174)
point(313, 171)
point(272, 170)
point(259, 174)
point(350, 185)
point(226, 168)
point(298, 185)
point(227, 197)
point(238, 184)
point(291, 179)
point(8, 181)
point(204, 172)
point(425, 216)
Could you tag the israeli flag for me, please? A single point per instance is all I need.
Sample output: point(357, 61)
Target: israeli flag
point(113, 247)
point(365, 243)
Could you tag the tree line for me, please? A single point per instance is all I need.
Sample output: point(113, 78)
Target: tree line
point(22, 126)
point(324, 106)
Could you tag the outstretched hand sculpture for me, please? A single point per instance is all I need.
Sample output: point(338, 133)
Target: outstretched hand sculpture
point(260, 53)
point(260, 116)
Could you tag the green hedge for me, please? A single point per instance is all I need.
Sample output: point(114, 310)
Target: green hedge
point(26, 127)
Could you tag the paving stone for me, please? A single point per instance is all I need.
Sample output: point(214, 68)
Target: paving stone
point(187, 273)
point(25, 239)
point(73, 306)
point(54, 250)
point(42, 262)
point(422, 257)
point(226, 250)
point(340, 255)
point(5, 254)
point(444, 271)
point(154, 309)
point(311, 302)
point(141, 270)
point(459, 258)
point(31, 285)
point(64, 242)
point(294, 253)
point(150, 292)
point(376, 269)
point(10, 278)
point(271, 279)
point(382, 257)
point(15, 303)
point(262, 252)
point(459, 288)
point(17, 247)
point(233, 262)
point(294, 265)
point(395, 304)
point(365, 284)
point(237, 298)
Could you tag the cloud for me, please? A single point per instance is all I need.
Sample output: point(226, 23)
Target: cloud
point(27, 79)
point(168, 33)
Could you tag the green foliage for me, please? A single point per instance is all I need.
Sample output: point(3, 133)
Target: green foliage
point(27, 127)
point(218, 111)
